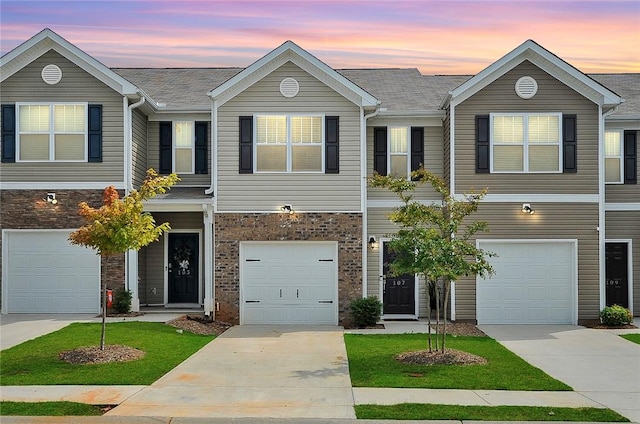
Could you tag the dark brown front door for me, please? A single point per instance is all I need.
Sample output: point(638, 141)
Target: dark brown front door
point(617, 280)
point(183, 267)
point(399, 294)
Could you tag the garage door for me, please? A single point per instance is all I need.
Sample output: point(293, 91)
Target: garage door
point(534, 283)
point(44, 273)
point(289, 283)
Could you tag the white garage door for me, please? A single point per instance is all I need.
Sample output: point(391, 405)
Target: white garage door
point(289, 283)
point(534, 283)
point(44, 273)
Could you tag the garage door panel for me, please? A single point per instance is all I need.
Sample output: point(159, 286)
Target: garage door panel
point(512, 293)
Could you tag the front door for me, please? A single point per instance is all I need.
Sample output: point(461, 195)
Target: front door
point(399, 294)
point(617, 281)
point(183, 267)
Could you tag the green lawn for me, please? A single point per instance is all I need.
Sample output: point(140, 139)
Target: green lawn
point(417, 411)
point(36, 362)
point(50, 409)
point(372, 364)
point(632, 337)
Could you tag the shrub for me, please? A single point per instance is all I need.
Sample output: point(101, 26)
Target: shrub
point(366, 312)
point(122, 301)
point(616, 316)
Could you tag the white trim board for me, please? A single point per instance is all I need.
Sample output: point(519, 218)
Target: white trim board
point(632, 207)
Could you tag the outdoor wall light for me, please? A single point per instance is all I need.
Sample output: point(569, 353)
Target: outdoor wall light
point(526, 208)
point(51, 198)
point(287, 208)
point(373, 243)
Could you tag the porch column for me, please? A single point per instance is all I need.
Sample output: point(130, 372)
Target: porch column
point(209, 293)
point(132, 278)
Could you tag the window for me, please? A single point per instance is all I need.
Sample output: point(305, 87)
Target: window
point(289, 143)
point(526, 143)
point(183, 148)
point(399, 158)
point(613, 169)
point(52, 132)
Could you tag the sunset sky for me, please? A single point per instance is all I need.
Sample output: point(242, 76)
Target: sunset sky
point(438, 37)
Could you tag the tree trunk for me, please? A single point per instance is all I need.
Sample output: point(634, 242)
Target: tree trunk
point(447, 289)
point(429, 313)
point(437, 293)
point(104, 315)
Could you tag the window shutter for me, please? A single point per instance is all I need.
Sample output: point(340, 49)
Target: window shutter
point(246, 145)
point(331, 145)
point(8, 133)
point(165, 147)
point(95, 133)
point(483, 151)
point(201, 147)
point(380, 150)
point(417, 148)
point(569, 144)
point(630, 157)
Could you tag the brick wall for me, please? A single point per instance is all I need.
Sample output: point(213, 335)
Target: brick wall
point(232, 228)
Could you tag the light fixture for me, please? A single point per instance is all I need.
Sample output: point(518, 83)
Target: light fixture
point(526, 208)
point(287, 208)
point(373, 243)
point(51, 198)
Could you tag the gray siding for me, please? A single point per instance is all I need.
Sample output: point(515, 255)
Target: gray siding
point(139, 147)
point(626, 225)
point(623, 193)
point(306, 192)
point(76, 86)
point(552, 96)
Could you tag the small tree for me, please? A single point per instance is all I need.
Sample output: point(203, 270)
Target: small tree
point(433, 241)
point(121, 224)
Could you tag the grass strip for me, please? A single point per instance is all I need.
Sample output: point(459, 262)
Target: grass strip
point(372, 364)
point(50, 409)
point(632, 337)
point(419, 411)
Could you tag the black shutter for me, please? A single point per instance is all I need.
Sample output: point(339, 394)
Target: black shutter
point(630, 157)
point(95, 133)
point(201, 147)
point(166, 132)
point(331, 145)
point(246, 145)
point(8, 133)
point(569, 144)
point(483, 152)
point(417, 148)
point(380, 150)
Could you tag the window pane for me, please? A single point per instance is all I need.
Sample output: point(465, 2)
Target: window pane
point(544, 158)
point(398, 140)
point(272, 158)
point(612, 170)
point(507, 158)
point(544, 129)
point(306, 158)
point(612, 143)
point(271, 129)
point(508, 129)
point(184, 134)
point(34, 146)
point(399, 166)
point(184, 161)
point(306, 129)
point(34, 118)
point(69, 118)
point(69, 147)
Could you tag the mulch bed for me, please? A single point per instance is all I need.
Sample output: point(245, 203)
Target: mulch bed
point(448, 357)
point(199, 325)
point(595, 323)
point(93, 354)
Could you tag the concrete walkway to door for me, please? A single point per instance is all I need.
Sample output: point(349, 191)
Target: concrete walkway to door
point(255, 371)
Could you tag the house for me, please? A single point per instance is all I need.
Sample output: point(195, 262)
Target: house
point(273, 221)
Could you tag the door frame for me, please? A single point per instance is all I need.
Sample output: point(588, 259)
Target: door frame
point(166, 264)
point(383, 241)
point(629, 243)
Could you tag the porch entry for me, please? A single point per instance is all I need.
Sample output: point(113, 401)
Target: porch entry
point(398, 293)
point(617, 274)
point(183, 267)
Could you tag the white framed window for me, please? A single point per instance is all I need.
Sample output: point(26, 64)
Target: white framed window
point(289, 143)
point(613, 152)
point(184, 136)
point(51, 132)
point(399, 160)
point(526, 143)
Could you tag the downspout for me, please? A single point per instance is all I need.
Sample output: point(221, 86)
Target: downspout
point(209, 220)
point(363, 193)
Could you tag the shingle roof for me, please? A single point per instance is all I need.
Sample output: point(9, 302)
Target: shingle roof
point(626, 86)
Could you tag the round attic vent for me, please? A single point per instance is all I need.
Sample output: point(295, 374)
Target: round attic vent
point(51, 74)
point(289, 87)
point(526, 87)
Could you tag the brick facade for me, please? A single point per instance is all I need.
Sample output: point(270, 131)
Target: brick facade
point(232, 228)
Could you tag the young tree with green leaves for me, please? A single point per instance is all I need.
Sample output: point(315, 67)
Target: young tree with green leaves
point(434, 240)
point(120, 225)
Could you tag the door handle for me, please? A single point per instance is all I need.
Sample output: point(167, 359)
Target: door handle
point(297, 293)
point(325, 301)
point(251, 301)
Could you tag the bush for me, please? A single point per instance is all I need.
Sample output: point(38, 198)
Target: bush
point(122, 301)
point(366, 312)
point(616, 316)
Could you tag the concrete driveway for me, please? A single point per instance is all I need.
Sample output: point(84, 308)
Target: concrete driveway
point(597, 363)
point(18, 328)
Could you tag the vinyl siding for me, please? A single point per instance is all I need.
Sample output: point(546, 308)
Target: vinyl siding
point(552, 96)
point(306, 192)
point(626, 225)
point(139, 147)
point(622, 193)
point(446, 123)
point(551, 221)
point(76, 86)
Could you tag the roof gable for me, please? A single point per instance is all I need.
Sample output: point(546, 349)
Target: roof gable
point(47, 40)
point(291, 52)
point(545, 60)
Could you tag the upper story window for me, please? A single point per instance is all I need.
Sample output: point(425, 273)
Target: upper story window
point(526, 143)
point(51, 132)
point(289, 143)
point(613, 169)
point(398, 150)
point(184, 147)
point(399, 157)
